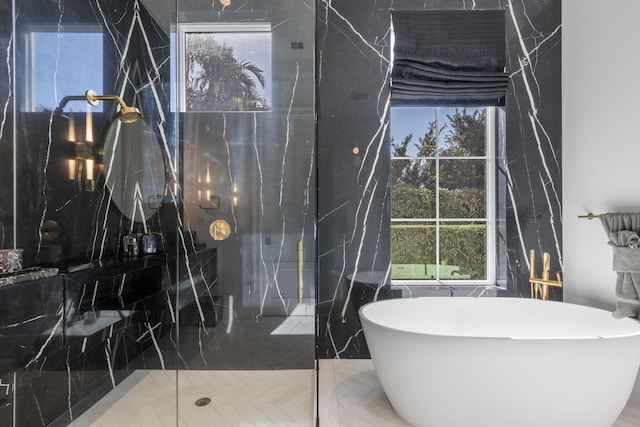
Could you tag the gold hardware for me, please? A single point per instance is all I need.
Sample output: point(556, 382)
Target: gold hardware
point(541, 286)
point(355, 150)
point(219, 229)
point(50, 230)
point(588, 216)
point(532, 261)
point(300, 260)
point(125, 115)
point(546, 265)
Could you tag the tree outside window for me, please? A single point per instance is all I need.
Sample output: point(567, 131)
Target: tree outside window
point(226, 67)
point(439, 197)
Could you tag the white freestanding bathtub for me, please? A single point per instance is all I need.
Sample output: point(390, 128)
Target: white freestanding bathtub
point(502, 362)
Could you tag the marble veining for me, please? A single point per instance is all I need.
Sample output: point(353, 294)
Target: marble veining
point(285, 175)
point(527, 59)
point(353, 111)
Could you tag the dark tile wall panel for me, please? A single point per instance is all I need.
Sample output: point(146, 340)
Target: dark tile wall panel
point(352, 61)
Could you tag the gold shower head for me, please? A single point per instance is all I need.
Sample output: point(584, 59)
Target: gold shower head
point(129, 114)
point(126, 114)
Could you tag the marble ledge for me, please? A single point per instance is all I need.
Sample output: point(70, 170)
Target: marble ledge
point(25, 275)
point(444, 290)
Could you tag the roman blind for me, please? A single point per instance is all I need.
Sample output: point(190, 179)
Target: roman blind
point(449, 58)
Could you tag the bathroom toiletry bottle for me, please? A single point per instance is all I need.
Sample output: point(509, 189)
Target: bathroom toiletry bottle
point(134, 248)
point(130, 245)
point(149, 244)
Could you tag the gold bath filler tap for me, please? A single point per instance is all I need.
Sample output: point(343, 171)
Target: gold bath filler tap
point(541, 285)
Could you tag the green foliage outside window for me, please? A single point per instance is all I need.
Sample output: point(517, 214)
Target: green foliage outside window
point(216, 80)
point(463, 245)
point(461, 194)
point(411, 202)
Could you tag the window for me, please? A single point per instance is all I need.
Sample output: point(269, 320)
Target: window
point(443, 193)
point(225, 66)
point(62, 63)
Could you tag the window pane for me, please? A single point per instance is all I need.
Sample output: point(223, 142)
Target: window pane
point(462, 188)
point(413, 131)
point(413, 250)
point(463, 245)
point(63, 64)
point(228, 71)
point(462, 131)
point(445, 195)
point(413, 189)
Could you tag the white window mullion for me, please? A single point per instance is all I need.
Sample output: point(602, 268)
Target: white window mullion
point(437, 213)
point(490, 192)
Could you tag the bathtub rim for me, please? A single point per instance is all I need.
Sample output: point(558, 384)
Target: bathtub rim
point(636, 322)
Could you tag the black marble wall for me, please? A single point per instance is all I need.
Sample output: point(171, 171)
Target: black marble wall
point(353, 69)
point(271, 158)
point(70, 339)
point(121, 313)
point(60, 220)
point(6, 128)
point(67, 340)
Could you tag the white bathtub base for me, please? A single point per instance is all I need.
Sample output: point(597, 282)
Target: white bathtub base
point(499, 381)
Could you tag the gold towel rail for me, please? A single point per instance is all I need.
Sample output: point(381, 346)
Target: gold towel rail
point(588, 216)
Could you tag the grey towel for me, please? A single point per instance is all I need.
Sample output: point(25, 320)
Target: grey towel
point(622, 229)
point(624, 238)
point(618, 221)
point(626, 260)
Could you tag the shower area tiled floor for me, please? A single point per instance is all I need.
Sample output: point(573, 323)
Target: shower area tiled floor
point(350, 396)
point(238, 398)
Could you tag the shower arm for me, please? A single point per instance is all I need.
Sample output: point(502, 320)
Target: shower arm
point(126, 113)
point(91, 97)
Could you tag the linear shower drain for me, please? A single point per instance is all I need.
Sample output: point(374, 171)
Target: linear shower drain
point(203, 401)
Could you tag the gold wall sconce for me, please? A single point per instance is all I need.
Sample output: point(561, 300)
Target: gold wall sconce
point(81, 167)
point(234, 197)
point(82, 170)
point(206, 199)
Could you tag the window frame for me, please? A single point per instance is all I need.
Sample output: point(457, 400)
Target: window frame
point(492, 123)
point(186, 28)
